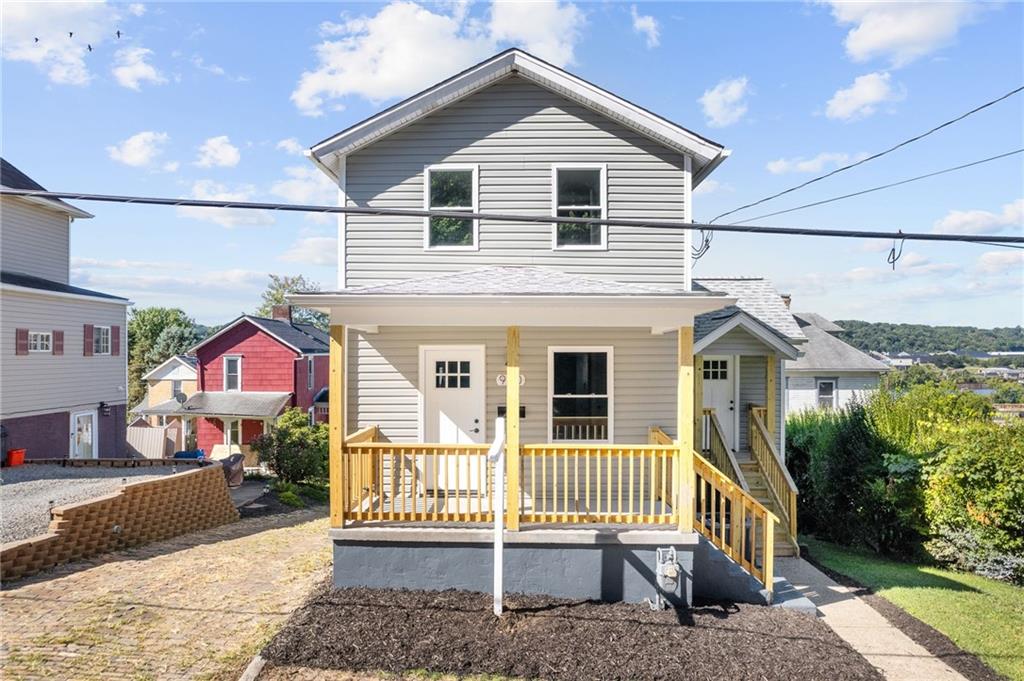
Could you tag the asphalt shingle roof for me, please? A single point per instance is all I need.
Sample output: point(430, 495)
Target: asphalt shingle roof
point(755, 296)
point(306, 337)
point(510, 280)
point(13, 178)
point(240, 404)
point(825, 352)
point(28, 281)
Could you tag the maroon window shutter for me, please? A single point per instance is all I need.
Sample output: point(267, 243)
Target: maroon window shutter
point(21, 341)
point(115, 340)
point(58, 342)
point(87, 340)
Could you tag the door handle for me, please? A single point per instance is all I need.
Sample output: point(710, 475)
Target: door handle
point(476, 430)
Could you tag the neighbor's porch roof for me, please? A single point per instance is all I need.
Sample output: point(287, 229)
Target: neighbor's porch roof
point(513, 296)
point(222, 404)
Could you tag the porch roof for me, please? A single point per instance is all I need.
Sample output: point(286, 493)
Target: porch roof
point(513, 295)
point(754, 295)
point(224, 404)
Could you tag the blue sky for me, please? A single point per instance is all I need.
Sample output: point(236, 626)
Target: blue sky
point(215, 100)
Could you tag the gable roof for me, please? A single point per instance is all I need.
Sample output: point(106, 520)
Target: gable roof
point(12, 178)
point(186, 361)
point(755, 296)
point(509, 280)
point(705, 153)
point(805, 319)
point(825, 352)
point(304, 339)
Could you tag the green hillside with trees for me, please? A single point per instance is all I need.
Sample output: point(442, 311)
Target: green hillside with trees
point(887, 337)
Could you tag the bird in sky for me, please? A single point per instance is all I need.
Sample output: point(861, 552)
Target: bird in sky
point(71, 34)
point(36, 40)
point(118, 34)
point(90, 47)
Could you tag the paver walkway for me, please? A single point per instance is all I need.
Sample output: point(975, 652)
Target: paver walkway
point(193, 607)
point(892, 652)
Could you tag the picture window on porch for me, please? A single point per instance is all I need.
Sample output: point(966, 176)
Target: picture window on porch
point(826, 393)
point(451, 188)
point(232, 373)
point(579, 192)
point(716, 370)
point(451, 374)
point(581, 388)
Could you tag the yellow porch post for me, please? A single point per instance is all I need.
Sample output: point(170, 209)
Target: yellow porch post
point(769, 382)
point(512, 426)
point(336, 421)
point(698, 402)
point(684, 426)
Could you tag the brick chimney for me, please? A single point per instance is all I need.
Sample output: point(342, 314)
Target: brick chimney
point(282, 312)
point(787, 299)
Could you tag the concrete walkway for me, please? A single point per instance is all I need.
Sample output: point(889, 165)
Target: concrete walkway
point(896, 656)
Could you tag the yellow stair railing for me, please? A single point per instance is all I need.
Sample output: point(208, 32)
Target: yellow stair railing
point(780, 483)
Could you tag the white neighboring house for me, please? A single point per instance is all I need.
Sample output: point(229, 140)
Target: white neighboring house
point(831, 372)
point(63, 349)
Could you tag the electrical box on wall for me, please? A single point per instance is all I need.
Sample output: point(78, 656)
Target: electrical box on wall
point(502, 409)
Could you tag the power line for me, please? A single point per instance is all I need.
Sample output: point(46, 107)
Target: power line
point(502, 217)
point(886, 186)
point(873, 156)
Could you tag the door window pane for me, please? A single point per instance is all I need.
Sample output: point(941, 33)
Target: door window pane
point(451, 374)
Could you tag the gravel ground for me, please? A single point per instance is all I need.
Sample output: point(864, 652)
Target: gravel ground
point(454, 632)
point(26, 492)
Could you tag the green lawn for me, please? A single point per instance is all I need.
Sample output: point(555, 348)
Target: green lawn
point(981, 615)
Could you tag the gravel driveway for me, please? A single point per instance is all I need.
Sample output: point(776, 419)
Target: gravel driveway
point(26, 492)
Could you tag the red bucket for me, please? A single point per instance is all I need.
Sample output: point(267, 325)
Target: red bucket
point(15, 457)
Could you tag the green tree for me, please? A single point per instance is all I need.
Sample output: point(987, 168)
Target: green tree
point(280, 286)
point(173, 340)
point(1008, 392)
point(145, 325)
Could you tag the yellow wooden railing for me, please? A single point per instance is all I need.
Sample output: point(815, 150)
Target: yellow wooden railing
point(716, 451)
point(780, 483)
point(734, 521)
point(584, 483)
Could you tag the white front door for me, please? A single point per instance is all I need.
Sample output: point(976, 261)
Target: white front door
point(454, 412)
point(719, 387)
point(83, 435)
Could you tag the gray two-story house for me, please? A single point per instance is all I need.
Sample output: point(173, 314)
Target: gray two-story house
point(63, 348)
point(641, 407)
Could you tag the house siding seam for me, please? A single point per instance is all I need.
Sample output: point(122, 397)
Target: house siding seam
point(515, 131)
point(36, 240)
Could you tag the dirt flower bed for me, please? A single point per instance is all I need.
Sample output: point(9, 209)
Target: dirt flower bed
point(454, 632)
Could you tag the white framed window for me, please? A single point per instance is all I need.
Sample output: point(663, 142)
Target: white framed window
point(310, 373)
point(454, 188)
point(232, 373)
point(579, 191)
point(233, 432)
point(826, 389)
point(580, 394)
point(175, 388)
point(716, 369)
point(40, 341)
point(101, 340)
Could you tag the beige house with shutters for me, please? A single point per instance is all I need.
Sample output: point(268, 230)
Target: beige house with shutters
point(63, 348)
point(641, 407)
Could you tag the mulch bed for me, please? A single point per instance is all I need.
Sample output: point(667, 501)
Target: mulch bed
point(929, 638)
point(455, 632)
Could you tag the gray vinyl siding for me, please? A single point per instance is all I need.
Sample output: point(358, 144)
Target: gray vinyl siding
point(383, 370)
point(515, 131)
point(44, 382)
point(33, 240)
point(737, 341)
point(752, 391)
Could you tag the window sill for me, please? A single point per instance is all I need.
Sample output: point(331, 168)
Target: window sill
point(463, 249)
point(602, 247)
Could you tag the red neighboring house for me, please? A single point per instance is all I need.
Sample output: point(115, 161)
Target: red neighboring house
point(251, 371)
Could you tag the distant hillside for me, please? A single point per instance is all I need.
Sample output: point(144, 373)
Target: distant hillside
point(885, 337)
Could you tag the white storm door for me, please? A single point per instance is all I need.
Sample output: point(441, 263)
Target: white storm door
point(719, 393)
point(454, 412)
point(83, 435)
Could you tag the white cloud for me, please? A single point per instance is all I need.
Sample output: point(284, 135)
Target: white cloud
point(131, 68)
point(210, 190)
point(981, 221)
point(200, 284)
point(807, 165)
point(307, 185)
point(725, 103)
point(215, 69)
point(122, 264)
point(995, 262)
point(901, 31)
point(711, 186)
point(647, 26)
point(136, 9)
point(62, 57)
point(171, 166)
point(140, 150)
point(218, 151)
point(313, 250)
point(384, 56)
point(291, 146)
point(863, 97)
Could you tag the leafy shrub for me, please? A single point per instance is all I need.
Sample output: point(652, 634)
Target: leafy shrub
point(975, 500)
point(294, 450)
point(291, 499)
point(916, 420)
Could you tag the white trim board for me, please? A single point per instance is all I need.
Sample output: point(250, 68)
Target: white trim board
point(607, 349)
point(752, 326)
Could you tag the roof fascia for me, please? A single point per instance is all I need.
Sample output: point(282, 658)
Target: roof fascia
point(756, 328)
point(167, 361)
point(235, 323)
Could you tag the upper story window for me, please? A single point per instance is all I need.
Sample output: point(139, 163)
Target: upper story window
point(826, 393)
point(40, 341)
point(232, 373)
point(452, 188)
point(310, 373)
point(101, 340)
point(175, 388)
point(578, 191)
